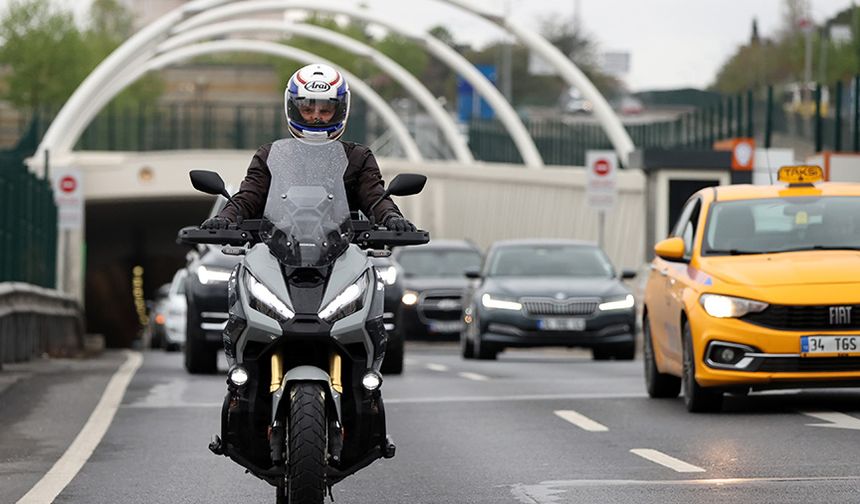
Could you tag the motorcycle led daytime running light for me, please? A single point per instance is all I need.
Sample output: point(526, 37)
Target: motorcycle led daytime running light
point(409, 298)
point(620, 304)
point(347, 302)
point(371, 381)
point(729, 307)
point(264, 296)
point(238, 376)
point(212, 275)
point(500, 304)
point(388, 275)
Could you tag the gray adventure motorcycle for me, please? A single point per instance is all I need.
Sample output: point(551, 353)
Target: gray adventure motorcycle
point(305, 337)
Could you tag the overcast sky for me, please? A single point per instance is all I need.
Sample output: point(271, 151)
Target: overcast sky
point(674, 43)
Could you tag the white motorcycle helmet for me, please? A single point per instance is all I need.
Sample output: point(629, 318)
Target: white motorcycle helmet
point(316, 102)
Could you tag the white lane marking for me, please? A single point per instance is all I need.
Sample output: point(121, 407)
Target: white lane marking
point(473, 376)
point(67, 467)
point(436, 367)
point(550, 492)
point(534, 397)
point(581, 421)
point(665, 460)
point(835, 420)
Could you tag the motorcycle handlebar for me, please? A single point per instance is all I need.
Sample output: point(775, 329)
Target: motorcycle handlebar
point(247, 230)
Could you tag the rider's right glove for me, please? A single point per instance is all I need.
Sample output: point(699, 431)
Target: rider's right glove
point(216, 223)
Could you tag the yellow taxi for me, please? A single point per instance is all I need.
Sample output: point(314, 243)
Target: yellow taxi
point(757, 287)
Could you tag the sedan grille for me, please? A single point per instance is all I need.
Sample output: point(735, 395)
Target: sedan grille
point(441, 306)
point(550, 306)
point(807, 317)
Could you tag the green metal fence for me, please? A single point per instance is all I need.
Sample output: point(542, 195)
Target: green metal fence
point(28, 221)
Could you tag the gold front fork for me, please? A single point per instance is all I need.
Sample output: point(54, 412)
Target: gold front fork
point(335, 372)
point(277, 372)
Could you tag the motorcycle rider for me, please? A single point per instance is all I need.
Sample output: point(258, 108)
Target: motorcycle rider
point(316, 102)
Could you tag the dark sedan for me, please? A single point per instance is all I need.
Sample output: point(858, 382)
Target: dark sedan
point(533, 293)
point(433, 282)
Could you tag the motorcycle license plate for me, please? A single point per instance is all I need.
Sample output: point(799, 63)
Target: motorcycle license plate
point(562, 324)
point(814, 346)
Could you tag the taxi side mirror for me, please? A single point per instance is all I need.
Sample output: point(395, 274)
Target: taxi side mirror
point(670, 249)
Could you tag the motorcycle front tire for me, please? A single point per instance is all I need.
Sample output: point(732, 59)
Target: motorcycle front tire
point(305, 482)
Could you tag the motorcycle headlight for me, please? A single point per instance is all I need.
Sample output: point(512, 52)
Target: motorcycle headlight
point(388, 275)
point(265, 301)
point(208, 275)
point(729, 307)
point(500, 304)
point(624, 303)
point(347, 302)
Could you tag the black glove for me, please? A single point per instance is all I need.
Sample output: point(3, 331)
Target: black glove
point(398, 223)
point(216, 223)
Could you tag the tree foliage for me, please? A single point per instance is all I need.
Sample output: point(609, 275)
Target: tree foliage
point(48, 55)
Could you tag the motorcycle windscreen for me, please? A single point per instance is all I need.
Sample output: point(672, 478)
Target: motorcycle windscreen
point(306, 221)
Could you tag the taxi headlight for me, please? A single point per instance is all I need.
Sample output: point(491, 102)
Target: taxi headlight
point(729, 307)
point(500, 304)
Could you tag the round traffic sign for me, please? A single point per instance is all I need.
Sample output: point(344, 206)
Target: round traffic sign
point(68, 184)
point(602, 167)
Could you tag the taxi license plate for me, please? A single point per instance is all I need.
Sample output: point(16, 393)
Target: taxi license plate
point(819, 345)
point(562, 324)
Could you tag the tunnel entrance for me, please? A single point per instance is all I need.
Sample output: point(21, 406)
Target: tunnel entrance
point(121, 236)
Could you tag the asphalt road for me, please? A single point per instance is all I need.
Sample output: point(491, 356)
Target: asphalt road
point(535, 427)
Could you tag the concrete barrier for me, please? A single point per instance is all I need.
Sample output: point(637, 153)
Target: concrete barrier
point(35, 321)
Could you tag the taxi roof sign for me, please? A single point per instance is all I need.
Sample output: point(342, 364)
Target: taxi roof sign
point(801, 174)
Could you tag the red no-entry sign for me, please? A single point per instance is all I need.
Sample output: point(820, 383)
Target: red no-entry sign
point(602, 167)
point(68, 184)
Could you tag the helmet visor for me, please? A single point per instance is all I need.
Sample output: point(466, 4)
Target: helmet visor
point(317, 113)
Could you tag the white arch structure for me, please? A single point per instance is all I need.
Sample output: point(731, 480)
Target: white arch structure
point(389, 66)
point(140, 47)
point(454, 60)
point(407, 143)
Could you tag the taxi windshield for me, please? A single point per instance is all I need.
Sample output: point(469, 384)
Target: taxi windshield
point(773, 225)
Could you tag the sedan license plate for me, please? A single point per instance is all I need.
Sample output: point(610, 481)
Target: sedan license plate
point(562, 324)
point(445, 327)
point(829, 345)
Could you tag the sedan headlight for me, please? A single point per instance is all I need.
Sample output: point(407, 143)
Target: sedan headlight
point(265, 301)
point(347, 302)
point(624, 303)
point(500, 304)
point(728, 306)
point(212, 275)
point(388, 275)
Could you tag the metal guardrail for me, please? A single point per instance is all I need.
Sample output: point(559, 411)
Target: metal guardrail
point(36, 321)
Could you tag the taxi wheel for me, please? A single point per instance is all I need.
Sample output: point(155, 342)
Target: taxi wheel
point(659, 385)
point(697, 399)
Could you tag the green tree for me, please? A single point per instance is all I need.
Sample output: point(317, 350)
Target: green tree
point(45, 53)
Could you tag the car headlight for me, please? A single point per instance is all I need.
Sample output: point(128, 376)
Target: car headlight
point(409, 298)
point(265, 301)
point(388, 275)
point(624, 303)
point(212, 275)
point(347, 302)
point(500, 304)
point(728, 306)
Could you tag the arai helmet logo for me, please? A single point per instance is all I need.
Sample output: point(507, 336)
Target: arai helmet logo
point(317, 86)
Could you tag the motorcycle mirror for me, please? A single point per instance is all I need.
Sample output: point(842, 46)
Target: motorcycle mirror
point(405, 184)
point(208, 182)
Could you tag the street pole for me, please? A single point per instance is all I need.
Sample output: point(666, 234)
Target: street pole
point(601, 228)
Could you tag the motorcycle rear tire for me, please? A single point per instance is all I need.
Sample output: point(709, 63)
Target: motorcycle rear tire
point(307, 444)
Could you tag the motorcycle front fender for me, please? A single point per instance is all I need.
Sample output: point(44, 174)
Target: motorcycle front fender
point(305, 374)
